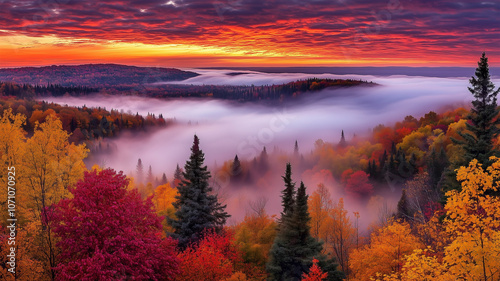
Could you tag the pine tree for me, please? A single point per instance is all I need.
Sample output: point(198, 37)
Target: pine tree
point(150, 177)
point(140, 171)
point(73, 124)
point(236, 169)
point(482, 125)
point(375, 170)
point(294, 248)
point(383, 159)
point(164, 179)
point(288, 193)
point(479, 143)
point(177, 176)
point(264, 160)
point(296, 149)
point(436, 164)
point(197, 209)
point(342, 141)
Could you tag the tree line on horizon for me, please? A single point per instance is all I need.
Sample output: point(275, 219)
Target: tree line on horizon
point(277, 93)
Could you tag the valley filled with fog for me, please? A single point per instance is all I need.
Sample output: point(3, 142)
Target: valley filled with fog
point(228, 128)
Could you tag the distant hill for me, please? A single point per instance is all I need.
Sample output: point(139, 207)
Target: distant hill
point(93, 75)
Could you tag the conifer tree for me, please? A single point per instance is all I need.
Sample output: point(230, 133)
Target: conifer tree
point(482, 125)
point(342, 141)
point(296, 149)
point(479, 143)
point(164, 179)
point(198, 210)
point(288, 193)
point(140, 171)
point(150, 176)
point(436, 164)
point(236, 169)
point(294, 248)
point(177, 176)
point(264, 160)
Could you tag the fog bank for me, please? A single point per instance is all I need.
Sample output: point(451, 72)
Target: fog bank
point(227, 128)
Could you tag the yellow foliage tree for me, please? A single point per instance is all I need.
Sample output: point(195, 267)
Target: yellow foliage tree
point(12, 138)
point(385, 253)
point(163, 199)
point(320, 205)
point(27, 267)
point(454, 151)
point(254, 236)
point(421, 265)
point(331, 224)
point(473, 225)
point(50, 164)
point(416, 142)
point(342, 234)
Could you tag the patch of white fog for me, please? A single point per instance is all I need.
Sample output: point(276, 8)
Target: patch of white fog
point(227, 128)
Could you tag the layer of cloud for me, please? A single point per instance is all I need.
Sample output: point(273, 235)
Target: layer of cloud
point(233, 128)
point(226, 129)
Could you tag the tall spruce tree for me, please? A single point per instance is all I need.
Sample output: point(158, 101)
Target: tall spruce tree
point(436, 164)
point(482, 125)
point(288, 193)
point(164, 179)
point(236, 170)
point(296, 149)
point(264, 161)
point(177, 176)
point(479, 143)
point(197, 209)
point(140, 171)
point(294, 248)
point(342, 141)
point(150, 177)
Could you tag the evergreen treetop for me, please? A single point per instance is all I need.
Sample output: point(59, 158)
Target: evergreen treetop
point(288, 193)
point(198, 210)
point(483, 126)
point(294, 248)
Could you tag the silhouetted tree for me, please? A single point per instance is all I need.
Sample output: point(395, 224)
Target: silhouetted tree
point(150, 177)
point(342, 141)
point(236, 171)
point(164, 179)
point(140, 171)
point(296, 149)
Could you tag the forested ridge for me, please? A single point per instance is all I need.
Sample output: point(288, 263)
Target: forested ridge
point(104, 79)
point(99, 224)
point(92, 75)
point(83, 123)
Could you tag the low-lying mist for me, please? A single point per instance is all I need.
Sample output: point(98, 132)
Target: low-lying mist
point(227, 128)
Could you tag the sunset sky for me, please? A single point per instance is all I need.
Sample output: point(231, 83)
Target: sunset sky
point(176, 33)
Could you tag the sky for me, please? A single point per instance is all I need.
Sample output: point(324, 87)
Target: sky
point(217, 33)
